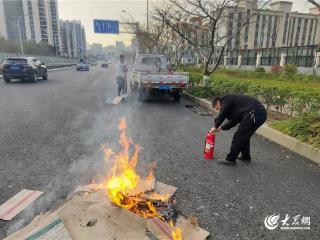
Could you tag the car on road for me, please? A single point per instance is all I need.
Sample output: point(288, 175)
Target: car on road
point(82, 65)
point(104, 65)
point(93, 63)
point(24, 68)
point(152, 75)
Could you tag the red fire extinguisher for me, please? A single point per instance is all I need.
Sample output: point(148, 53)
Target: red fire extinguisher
point(209, 146)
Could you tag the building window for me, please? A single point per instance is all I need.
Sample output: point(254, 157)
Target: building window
point(257, 31)
point(262, 31)
point(237, 43)
point(269, 30)
point(310, 31)
point(292, 31)
point(275, 31)
point(289, 32)
point(246, 31)
point(296, 42)
point(315, 31)
point(284, 37)
point(230, 30)
point(305, 24)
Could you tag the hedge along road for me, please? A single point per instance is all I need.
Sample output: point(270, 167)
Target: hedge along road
point(51, 137)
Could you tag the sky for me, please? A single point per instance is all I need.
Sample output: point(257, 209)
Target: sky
point(87, 10)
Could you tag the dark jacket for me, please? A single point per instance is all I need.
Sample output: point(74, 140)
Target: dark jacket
point(235, 108)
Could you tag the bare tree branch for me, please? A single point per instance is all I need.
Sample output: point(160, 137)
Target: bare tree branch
point(315, 3)
point(203, 23)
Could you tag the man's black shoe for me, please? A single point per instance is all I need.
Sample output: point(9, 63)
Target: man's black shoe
point(226, 162)
point(245, 159)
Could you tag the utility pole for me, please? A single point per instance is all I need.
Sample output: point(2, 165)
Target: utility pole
point(19, 29)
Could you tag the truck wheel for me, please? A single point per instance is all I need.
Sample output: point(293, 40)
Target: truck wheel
point(176, 96)
point(143, 94)
point(133, 86)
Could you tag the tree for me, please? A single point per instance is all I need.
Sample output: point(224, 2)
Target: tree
point(30, 47)
point(203, 24)
point(158, 38)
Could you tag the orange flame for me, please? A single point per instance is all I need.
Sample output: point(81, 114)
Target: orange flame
point(176, 232)
point(123, 177)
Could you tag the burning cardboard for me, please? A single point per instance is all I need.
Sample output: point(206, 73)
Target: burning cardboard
point(48, 226)
point(125, 205)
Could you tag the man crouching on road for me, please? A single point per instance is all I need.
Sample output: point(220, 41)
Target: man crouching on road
point(242, 109)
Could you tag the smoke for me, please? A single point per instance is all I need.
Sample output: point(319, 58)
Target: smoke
point(91, 130)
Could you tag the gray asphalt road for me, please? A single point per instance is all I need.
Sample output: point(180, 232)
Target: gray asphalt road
point(51, 137)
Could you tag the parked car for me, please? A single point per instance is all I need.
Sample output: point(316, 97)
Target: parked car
point(82, 65)
point(24, 68)
point(151, 76)
point(104, 65)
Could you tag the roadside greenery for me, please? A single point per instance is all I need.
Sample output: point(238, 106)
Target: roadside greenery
point(297, 96)
point(29, 47)
point(305, 128)
point(288, 97)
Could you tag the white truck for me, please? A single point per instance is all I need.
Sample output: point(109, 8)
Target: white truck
point(151, 75)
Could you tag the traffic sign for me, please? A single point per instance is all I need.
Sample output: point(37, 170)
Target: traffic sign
point(106, 26)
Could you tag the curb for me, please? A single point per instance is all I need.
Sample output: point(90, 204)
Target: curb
point(58, 69)
point(294, 145)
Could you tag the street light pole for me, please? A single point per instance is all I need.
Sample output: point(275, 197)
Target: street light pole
point(19, 29)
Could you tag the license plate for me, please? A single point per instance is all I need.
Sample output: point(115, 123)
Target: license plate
point(15, 67)
point(164, 87)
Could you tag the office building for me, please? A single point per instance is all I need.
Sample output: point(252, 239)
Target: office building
point(38, 20)
point(277, 26)
point(11, 17)
point(73, 39)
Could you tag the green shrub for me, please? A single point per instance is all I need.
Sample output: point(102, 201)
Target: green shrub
point(305, 127)
point(289, 70)
point(279, 97)
point(195, 78)
point(260, 69)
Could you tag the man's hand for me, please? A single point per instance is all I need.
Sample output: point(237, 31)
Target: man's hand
point(215, 130)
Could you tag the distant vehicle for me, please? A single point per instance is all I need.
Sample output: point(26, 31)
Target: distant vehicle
point(93, 63)
point(82, 65)
point(24, 68)
point(151, 75)
point(104, 65)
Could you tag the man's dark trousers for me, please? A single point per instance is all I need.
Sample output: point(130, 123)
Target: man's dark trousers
point(121, 85)
point(241, 139)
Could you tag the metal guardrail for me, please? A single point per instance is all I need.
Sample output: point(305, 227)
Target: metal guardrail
point(53, 66)
point(48, 60)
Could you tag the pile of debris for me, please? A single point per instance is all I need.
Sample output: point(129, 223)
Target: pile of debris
point(88, 214)
point(123, 206)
